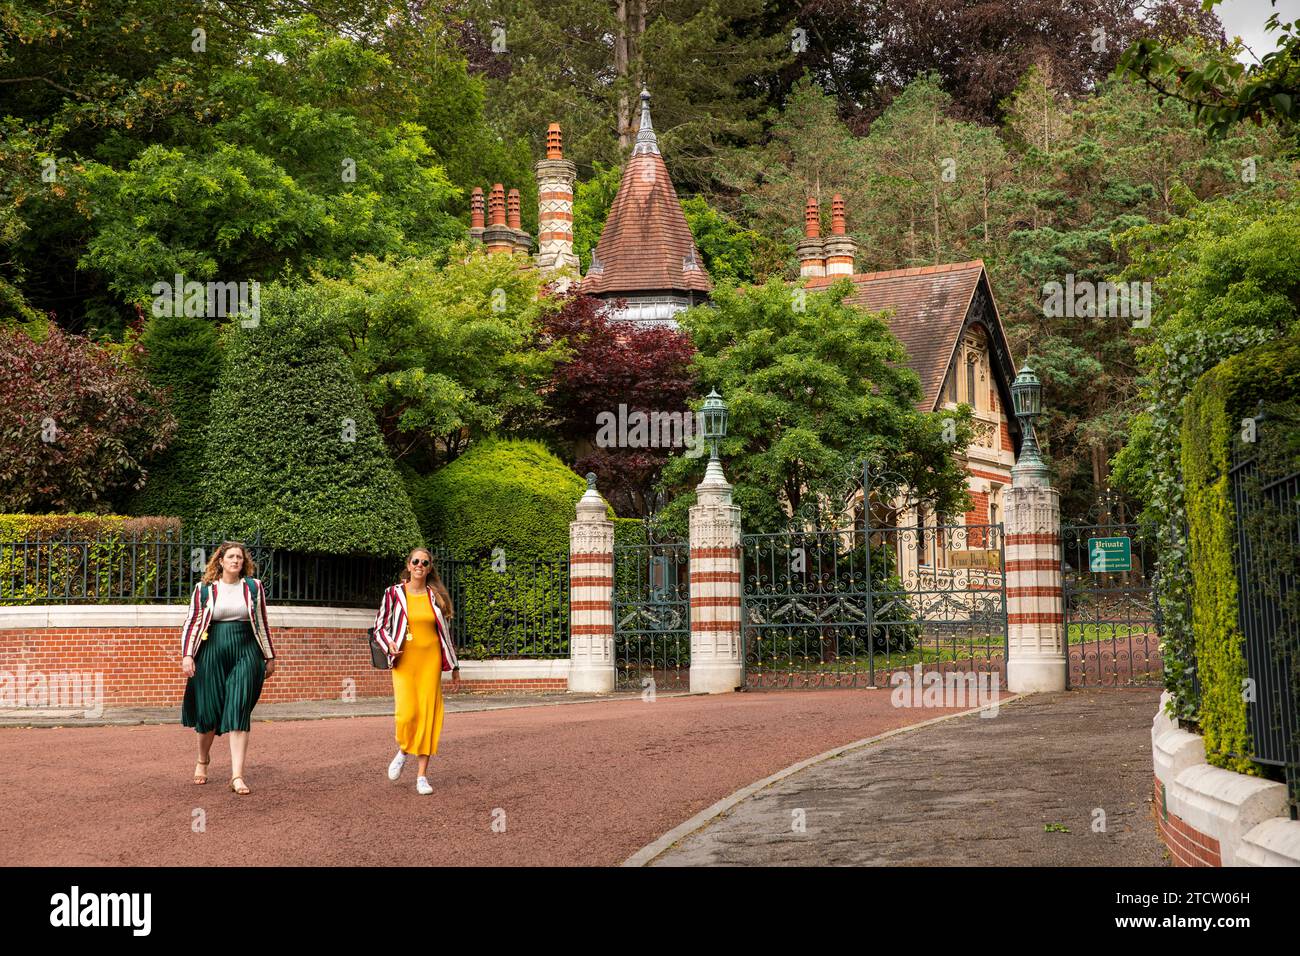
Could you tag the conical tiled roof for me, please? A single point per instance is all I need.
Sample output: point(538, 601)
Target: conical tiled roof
point(646, 245)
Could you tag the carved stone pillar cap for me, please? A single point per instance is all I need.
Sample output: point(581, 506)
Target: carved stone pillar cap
point(591, 506)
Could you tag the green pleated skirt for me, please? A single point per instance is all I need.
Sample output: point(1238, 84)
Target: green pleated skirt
point(228, 674)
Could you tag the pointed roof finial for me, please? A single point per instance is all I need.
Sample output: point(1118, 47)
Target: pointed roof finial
point(645, 137)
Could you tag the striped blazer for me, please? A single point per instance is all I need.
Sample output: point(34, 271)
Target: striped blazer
point(195, 630)
point(391, 629)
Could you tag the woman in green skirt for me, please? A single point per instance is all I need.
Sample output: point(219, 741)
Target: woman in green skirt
point(226, 653)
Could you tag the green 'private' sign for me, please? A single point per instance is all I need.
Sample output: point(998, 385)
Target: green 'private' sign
point(1110, 554)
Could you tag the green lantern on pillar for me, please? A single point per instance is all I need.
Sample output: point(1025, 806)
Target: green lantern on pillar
point(713, 414)
point(1027, 402)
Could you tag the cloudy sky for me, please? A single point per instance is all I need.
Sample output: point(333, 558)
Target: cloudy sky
point(1245, 18)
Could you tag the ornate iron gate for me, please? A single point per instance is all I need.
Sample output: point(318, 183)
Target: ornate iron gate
point(652, 613)
point(1112, 621)
point(849, 605)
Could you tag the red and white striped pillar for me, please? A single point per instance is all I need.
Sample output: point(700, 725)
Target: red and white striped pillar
point(591, 596)
point(717, 657)
point(1035, 606)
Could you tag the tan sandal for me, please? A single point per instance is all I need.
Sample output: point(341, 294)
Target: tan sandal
point(201, 778)
point(241, 790)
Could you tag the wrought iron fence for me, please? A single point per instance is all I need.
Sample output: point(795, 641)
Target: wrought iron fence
point(652, 613)
point(163, 568)
point(507, 607)
point(1266, 502)
point(848, 607)
point(1112, 621)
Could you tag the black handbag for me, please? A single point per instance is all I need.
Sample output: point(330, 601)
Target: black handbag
point(378, 655)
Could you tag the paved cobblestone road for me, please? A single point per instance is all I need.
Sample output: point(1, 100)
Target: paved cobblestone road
point(1017, 789)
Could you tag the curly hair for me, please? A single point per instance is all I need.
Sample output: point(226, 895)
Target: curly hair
point(213, 570)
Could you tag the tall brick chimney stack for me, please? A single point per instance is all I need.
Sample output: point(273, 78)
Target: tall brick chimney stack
point(555, 179)
point(498, 237)
point(840, 246)
point(476, 214)
point(523, 241)
point(812, 260)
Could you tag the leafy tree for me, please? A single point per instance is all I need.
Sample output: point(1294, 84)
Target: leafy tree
point(813, 386)
point(609, 364)
point(231, 152)
point(1086, 173)
point(292, 451)
point(584, 62)
point(1221, 90)
point(447, 352)
point(78, 423)
point(866, 51)
point(1226, 279)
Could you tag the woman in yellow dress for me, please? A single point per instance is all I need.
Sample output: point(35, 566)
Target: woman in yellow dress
point(412, 623)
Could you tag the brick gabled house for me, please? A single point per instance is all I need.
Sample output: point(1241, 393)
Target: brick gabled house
point(646, 265)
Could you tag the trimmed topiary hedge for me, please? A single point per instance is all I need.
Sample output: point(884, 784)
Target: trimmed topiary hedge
point(502, 493)
point(1212, 423)
point(292, 448)
point(501, 511)
point(184, 357)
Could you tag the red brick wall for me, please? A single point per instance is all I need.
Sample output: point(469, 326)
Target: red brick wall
point(141, 666)
point(1187, 846)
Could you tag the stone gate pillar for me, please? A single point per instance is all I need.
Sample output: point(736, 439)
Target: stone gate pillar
point(591, 596)
point(717, 664)
point(1035, 608)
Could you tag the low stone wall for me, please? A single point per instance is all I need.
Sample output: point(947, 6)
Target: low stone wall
point(1209, 816)
point(131, 654)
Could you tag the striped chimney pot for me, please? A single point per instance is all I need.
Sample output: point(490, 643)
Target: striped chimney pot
point(812, 257)
point(498, 236)
point(477, 215)
point(841, 248)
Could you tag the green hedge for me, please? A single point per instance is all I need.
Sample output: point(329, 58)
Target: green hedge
point(502, 493)
point(516, 496)
point(82, 556)
point(183, 357)
point(293, 450)
point(1212, 422)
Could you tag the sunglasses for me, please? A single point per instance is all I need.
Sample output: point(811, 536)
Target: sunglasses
point(420, 562)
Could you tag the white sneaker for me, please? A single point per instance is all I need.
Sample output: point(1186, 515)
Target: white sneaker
point(395, 768)
point(422, 787)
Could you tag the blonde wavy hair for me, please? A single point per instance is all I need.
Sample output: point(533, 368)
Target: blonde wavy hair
point(213, 570)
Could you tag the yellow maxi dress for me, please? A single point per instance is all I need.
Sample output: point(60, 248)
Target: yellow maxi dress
point(417, 680)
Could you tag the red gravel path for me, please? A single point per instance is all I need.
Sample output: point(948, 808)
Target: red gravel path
point(579, 783)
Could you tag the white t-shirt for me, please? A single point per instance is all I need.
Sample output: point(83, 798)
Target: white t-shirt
point(229, 605)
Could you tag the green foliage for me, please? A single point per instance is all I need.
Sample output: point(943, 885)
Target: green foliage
point(79, 423)
point(706, 62)
point(502, 493)
point(448, 352)
point(1226, 279)
point(502, 512)
point(292, 450)
point(1212, 418)
point(813, 385)
point(291, 142)
point(183, 357)
point(1221, 89)
point(83, 556)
